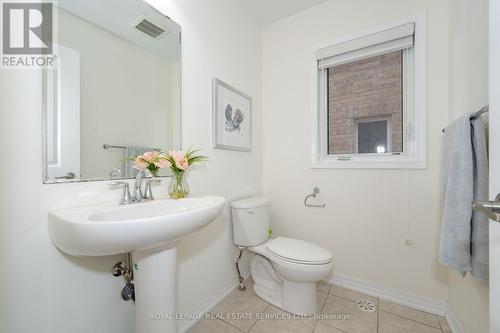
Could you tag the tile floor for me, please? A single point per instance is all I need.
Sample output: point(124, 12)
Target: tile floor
point(262, 317)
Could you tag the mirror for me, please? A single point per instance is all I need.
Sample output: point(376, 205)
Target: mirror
point(114, 92)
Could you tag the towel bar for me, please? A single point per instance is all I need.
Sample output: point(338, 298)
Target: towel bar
point(490, 208)
point(474, 115)
point(106, 146)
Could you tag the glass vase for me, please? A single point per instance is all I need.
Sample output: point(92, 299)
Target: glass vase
point(154, 172)
point(178, 187)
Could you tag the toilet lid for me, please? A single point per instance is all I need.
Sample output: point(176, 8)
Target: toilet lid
point(299, 251)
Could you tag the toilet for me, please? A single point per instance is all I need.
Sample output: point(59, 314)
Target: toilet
point(284, 270)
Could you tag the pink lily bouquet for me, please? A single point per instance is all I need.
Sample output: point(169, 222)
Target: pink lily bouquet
point(177, 161)
point(153, 161)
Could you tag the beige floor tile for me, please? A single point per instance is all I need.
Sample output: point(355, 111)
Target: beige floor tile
point(352, 295)
point(322, 328)
point(212, 326)
point(445, 327)
point(323, 286)
point(279, 321)
point(390, 323)
point(406, 312)
point(347, 316)
point(240, 309)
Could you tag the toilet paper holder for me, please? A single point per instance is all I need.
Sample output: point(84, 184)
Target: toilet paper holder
point(313, 195)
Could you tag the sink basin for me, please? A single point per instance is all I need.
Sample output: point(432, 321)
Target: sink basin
point(149, 231)
point(106, 229)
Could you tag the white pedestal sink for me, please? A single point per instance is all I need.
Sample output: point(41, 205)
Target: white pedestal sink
point(150, 232)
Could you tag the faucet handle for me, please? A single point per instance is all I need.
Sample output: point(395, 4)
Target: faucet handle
point(126, 199)
point(148, 192)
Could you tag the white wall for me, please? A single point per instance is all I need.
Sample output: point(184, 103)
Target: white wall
point(43, 290)
point(368, 212)
point(468, 93)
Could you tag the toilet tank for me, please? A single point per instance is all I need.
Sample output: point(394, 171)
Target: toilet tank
point(250, 221)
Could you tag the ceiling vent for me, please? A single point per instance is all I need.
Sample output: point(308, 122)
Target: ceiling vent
point(149, 28)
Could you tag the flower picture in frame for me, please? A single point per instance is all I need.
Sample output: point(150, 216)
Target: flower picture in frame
point(232, 118)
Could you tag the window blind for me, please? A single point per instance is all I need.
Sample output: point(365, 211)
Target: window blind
point(390, 40)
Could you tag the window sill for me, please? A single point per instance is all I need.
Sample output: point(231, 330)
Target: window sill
point(356, 162)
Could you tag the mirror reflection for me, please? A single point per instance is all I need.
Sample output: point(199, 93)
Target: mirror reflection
point(114, 92)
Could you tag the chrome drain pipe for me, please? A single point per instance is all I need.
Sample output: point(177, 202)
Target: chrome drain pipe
point(241, 287)
point(125, 269)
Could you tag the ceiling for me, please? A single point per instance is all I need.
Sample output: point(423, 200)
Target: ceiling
point(269, 11)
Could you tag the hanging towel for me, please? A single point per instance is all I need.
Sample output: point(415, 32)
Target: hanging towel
point(480, 222)
point(131, 151)
point(454, 245)
point(464, 234)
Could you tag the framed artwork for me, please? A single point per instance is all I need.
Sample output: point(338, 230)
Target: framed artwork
point(232, 118)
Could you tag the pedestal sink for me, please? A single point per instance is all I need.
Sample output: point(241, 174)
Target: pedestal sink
point(149, 231)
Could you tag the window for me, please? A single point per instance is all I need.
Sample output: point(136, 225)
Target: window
point(360, 91)
point(370, 100)
point(373, 136)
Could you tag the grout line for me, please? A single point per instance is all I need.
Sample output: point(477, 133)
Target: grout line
point(225, 322)
point(361, 294)
point(315, 324)
point(239, 329)
point(324, 303)
point(323, 307)
point(267, 307)
point(378, 317)
point(331, 326)
point(416, 321)
point(320, 311)
point(322, 291)
point(353, 301)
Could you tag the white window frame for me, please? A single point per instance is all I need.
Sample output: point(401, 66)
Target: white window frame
point(414, 109)
point(358, 121)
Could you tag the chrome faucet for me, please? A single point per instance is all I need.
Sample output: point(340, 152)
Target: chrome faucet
point(137, 194)
point(148, 192)
point(126, 198)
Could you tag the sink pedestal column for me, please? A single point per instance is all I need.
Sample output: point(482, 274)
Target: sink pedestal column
point(155, 289)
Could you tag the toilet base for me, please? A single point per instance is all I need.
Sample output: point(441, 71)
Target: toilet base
point(294, 297)
point(300, 297)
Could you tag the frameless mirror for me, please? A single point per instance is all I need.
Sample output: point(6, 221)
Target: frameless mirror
point(114, 92)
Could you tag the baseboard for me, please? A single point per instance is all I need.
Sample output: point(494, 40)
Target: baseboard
point(453, 321)
point(209, 303)
point(415, 301)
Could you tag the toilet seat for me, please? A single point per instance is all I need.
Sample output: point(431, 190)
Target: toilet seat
point(298, 251)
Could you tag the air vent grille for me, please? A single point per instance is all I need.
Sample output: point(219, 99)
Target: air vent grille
point(149, 28)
